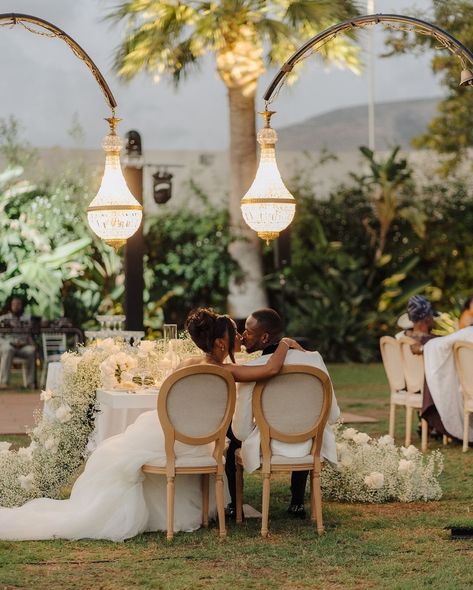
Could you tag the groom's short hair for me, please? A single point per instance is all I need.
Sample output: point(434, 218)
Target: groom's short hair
point(269, 320)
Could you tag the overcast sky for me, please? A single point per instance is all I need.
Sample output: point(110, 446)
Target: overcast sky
point(44, 85)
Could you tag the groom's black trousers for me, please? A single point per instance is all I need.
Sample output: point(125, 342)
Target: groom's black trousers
point(298, 478)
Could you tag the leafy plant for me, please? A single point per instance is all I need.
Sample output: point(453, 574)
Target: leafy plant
point(187, 263)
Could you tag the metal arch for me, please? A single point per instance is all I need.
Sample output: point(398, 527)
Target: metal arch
point(451, 43)
point(15, 18)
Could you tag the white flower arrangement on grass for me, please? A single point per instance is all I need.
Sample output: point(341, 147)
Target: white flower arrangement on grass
point(376, 470)
point(59, 439)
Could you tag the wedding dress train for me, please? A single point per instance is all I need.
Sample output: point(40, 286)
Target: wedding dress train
point(112, 499)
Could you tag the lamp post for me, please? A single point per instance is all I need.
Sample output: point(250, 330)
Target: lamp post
point(268, 207)
point(134, 249)
point(114, 214)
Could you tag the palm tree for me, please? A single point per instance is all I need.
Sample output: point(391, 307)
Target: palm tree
point(169, 37)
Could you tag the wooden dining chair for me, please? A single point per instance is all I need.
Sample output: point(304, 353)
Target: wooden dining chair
point(195, 407)
point(413, 368)
point(463, 354)
point(291, 407)
point(392, 363)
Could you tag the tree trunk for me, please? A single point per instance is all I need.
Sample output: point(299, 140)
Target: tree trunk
point(250, 294)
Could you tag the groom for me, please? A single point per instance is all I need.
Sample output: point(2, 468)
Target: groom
point(263, 331)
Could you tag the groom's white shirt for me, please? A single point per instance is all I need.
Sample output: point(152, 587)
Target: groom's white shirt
point(244, 427)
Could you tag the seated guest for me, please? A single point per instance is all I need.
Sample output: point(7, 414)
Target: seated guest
point(421, 314)
point(263, 331)
point(16, 345)
point(466, 316)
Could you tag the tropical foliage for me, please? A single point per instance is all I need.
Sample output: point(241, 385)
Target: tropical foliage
point(341, 293)
point(451, 131)
point(188, 263)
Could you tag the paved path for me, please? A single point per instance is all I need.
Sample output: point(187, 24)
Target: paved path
point(16, 411)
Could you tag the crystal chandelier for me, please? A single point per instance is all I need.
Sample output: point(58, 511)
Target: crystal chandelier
point(268, 207)
point(114, 214)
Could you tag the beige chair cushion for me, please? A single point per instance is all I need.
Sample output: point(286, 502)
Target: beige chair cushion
point(204, 461)
point(209, 393)
point(292, 403)
point(399, 397)
point(414, 400)
point(280, 460)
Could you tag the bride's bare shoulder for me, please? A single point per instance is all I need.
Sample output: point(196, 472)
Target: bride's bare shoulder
point(193, 360)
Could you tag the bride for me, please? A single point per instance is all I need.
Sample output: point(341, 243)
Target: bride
point(112, 499)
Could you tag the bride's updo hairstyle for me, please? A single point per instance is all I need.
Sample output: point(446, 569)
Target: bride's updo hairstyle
point(205, 326)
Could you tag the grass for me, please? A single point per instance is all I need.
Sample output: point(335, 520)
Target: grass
point(395, 546)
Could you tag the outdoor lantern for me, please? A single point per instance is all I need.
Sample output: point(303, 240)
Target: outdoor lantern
point(114, 214)
point(466, 78)
point(268, 207)
point(162, 186)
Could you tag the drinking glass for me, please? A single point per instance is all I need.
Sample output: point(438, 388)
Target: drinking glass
point(169, 332)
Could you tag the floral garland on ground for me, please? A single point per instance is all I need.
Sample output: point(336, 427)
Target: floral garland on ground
point(369, 470)
point(59, 440)
point(376, 470)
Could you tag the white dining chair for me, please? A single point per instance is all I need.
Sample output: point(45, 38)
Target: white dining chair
point(392, 363)
point(463, 354)
point(54, 345)
point(413, 368)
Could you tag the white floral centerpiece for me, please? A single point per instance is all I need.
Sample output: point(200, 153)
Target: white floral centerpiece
point(59, 440)
point(376, 470)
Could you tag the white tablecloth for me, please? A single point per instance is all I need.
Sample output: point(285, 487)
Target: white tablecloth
point(119, 409)
point(54, 375)
point(442, 379)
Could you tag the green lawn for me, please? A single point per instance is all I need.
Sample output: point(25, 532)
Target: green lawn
point(395, 546)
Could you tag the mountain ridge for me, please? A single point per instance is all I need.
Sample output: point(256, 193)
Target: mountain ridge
point(396, 123)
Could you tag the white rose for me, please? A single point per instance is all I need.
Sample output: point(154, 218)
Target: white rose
point(349, 433)
point(375, 480)
point(63, 414)
point(107, 370)
point(341, 447)
point(406, 466)
point(346, 459)
point(4, 445)
point(46, 395)
point(147, 346)
point(108, 345)
point(51, 444)
point(26, 481)
point(361, 438)
point(386, 440)
point(410, 453)
point(26, 451)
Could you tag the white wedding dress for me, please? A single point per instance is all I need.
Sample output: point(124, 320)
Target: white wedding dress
point(112, 499)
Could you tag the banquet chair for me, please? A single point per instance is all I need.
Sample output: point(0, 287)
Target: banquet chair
point(463, 354)
point(195, 407)
point(413, 368)
point(392, 362)
point(54, 345)
point(291, 407)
